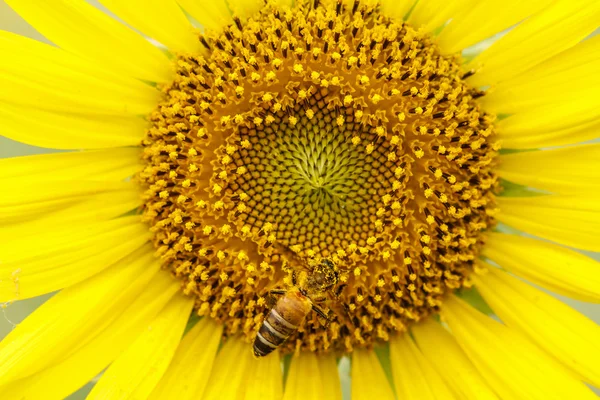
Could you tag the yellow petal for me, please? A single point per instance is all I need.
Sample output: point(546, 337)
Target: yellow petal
point(550, 125)
point(213, 15)
point(432, 14)
point(265, 381)
point(558, 27)
point(65, 321)
point(368, 379)
point(82, 29)
point(284, 3)
point(161, 20)
point(230, 372)
point(313, 377)
point(69, 131)
point(82, 212)
point(554, 267)
point(56, 259)
point(512, 365)
point(55, 204)
point(414, 377)
point(42, 76)
point(565, 170)
point(106, 343)
point(34, 244)
point(396, 8)
point(570, 76)
point(37, 205)
point(440, 348)
point(111, 165)
point(482, 19)
point(137, 371)
point(558, 329)
point(569, 220)
point(244, 8)
point(188, 373)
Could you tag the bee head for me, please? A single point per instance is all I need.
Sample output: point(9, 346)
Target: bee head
point(324, 274)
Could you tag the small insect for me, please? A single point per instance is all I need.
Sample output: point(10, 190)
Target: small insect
point(292, 308)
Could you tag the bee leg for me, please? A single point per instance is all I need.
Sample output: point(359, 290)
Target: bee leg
point(277, 292)
point(294, 278)
point(323, 317)
point(316, 299)
point(336, 294)
point(319, 311)
point(349, 314)
point(339, 290)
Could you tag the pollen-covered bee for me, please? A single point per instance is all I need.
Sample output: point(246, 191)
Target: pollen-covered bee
point(292, 308)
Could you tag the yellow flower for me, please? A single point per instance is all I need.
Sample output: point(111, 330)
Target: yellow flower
point(324, 151)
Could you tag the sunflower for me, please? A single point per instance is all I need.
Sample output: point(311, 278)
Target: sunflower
point(219, 152)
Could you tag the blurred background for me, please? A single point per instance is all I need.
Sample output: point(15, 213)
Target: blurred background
point(14, 313)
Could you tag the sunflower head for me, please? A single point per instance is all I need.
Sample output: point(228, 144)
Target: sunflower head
point(321, 131)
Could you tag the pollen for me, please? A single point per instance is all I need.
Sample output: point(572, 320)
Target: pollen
point(322, 131)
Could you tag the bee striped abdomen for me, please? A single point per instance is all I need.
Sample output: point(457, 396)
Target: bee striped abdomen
point(281, 322)
point(272, 333)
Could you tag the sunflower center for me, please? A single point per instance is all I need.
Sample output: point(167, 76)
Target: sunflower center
point(321, 132)
point(307, 177)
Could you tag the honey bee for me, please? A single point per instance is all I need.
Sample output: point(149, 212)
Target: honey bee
point(294, 306)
